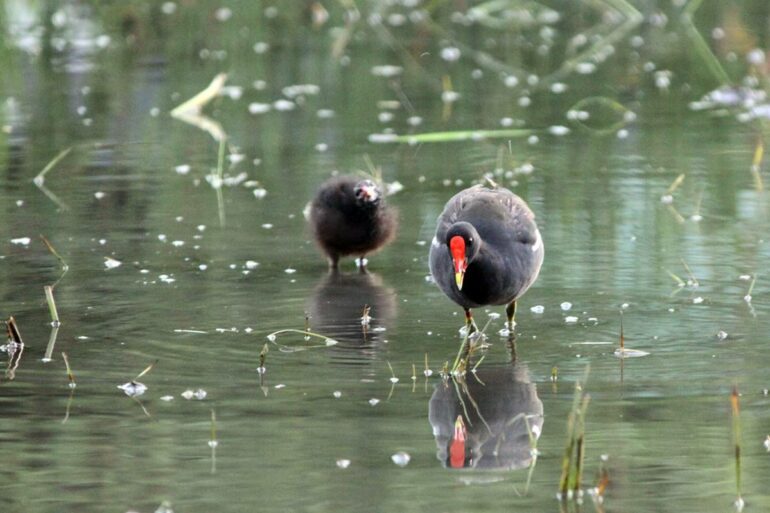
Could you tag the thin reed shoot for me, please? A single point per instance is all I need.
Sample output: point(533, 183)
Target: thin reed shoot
point(52, 306)
point(55, 253)
point(39, 180)
point(572, 467)
point(735, 409)
point(70, 374)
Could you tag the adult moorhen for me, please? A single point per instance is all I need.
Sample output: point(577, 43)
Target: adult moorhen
point(349, 216)
point(487, 250)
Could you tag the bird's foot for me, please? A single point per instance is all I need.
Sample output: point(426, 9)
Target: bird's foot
point(508, 329)
point(469, 330)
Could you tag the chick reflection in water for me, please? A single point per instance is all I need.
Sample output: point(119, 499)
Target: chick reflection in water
point(354, 309)
point(485, 421)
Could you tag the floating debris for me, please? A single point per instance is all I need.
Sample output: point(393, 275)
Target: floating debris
point(337, 394)
point(111, 263)
point(198, 394)
point(558, 130)
point(401, 458)
point(537, 309)
point(393, 187)
point(284, 105)
point(450, 53)
point(259, 108)
point(767, 442)
point(343, 463)
point(730, 97)
point(293, 91)
point(387, 71)
point(629, 353)
point(21, 241)
point(566, 306)
point(722, 335)
point(133, 388)
point(571, 319)
point(167, 398)
point(374, 401)
point(383, 138)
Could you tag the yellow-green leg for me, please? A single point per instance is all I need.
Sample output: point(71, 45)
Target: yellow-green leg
point(470, 326)
point(510, 311)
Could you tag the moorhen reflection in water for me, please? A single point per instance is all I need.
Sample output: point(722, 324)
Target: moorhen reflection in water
point(336, 308)
point(487, 250)
point(480, 423)
point(349, 216)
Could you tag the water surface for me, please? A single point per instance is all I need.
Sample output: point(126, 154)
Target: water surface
point(203, 281)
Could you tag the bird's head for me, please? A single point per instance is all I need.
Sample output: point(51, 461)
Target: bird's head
point(463, 242)
point(367, 193)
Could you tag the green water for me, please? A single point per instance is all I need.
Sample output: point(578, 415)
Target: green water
point(204, 278)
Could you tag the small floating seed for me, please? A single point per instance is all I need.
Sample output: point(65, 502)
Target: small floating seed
point(401, 458)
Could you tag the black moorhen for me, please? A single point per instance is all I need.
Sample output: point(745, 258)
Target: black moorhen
point(349, 216)
point(487, 250)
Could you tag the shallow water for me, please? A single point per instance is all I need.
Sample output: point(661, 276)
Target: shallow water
point(202, 282)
